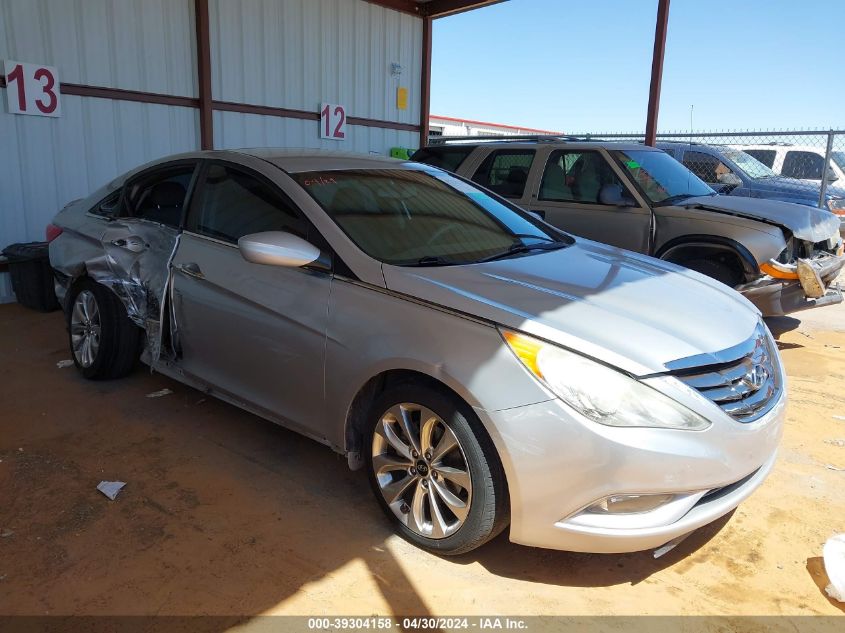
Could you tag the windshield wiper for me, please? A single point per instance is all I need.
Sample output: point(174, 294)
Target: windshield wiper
point(673, 199)
point(432, 260)
point(517, 248)
point(531, 236)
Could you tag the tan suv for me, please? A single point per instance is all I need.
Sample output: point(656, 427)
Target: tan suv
point(782, 256)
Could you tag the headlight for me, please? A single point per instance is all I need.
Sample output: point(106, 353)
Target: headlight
point(600, 393)
point(836, 205)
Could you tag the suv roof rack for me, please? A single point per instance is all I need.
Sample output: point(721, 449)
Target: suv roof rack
point(516, 138)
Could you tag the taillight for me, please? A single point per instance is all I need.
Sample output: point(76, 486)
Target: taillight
point(53, 232)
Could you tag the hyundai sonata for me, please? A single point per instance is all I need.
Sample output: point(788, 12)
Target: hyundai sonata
point(487, 369)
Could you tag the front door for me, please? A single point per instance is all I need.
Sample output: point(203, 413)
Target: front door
point(251, 331)
point(568, 198)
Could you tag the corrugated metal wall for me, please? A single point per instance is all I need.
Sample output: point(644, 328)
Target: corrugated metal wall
point(132, 44)
point(283, 53)
point(137, 44)
point(298, 53)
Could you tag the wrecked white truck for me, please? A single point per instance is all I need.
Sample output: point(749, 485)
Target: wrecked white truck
point(783, 257)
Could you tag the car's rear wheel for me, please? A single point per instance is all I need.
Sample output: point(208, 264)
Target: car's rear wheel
point(434, 471)
point(103, 341)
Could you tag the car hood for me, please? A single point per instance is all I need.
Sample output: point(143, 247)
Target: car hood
point(805, 223)
point(796, 187)
point(627, 310)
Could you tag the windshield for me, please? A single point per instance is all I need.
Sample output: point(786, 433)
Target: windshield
point(839, 159)
point(410, 217)
point(747, 163)
point(660, 176)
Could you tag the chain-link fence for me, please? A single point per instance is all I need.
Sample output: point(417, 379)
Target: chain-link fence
point(807, 167)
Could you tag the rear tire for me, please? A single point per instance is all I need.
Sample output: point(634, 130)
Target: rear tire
point(717, 270)
point(104, 343)
point(424, 487)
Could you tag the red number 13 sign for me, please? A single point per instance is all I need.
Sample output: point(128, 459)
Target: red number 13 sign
point(332, 121)
point(32, 89)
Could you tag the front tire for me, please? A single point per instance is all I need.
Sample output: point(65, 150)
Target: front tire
point(720, 271)
point(434, 470)
point(104, 343)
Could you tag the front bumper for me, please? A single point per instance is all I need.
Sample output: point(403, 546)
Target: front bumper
point(779, 297)
point(558, 463)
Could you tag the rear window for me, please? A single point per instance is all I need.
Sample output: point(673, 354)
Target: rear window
point(448, 158)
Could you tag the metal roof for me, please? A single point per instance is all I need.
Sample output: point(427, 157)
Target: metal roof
point(434, 8)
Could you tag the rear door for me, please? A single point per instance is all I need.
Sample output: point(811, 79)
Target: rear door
point(506, 172)
point(568, 197)
point(141, 239)
point(253, 332)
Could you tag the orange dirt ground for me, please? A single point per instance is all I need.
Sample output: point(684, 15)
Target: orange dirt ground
point(225, 513)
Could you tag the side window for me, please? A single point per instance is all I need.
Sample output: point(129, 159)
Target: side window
point(576, 177)
point(448, 158)
point(232, 204)
point(107, 207)
point(505, 172)
point(765, 156)
point(707, 167)
point(802, 165)
point(160, 197)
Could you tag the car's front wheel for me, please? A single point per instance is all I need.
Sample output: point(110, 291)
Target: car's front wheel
point(434, 470)
point(103, 341)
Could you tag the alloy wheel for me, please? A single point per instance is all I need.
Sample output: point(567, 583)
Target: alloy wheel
point(421, 470)
point(85, 328)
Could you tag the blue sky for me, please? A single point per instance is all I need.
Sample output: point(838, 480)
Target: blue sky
point(578, 66)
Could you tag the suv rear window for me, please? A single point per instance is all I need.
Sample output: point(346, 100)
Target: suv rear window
point(803, 165)
point(448, 158)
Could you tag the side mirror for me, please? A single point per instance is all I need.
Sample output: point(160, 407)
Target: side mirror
point(277, 248)
point(730, 180)
point(831, 175)
point(614, 196)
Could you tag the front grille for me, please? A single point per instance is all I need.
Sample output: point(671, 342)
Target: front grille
point(747, 386)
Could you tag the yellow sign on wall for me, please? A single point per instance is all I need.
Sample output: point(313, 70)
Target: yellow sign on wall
point(402, 98)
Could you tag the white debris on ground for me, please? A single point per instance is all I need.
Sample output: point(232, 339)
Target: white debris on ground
point(110, 488)
point(6, 533)
point(64, 363)
point(160, 393)
point(834, 565)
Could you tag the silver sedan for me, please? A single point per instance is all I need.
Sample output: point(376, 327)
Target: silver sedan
point(488, 370)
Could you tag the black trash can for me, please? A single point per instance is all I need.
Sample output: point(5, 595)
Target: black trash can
point(32, 276)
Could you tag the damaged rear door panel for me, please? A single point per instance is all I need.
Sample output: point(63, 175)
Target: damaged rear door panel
point(126, 241)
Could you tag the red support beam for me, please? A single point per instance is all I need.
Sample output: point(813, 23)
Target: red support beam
point(204, 74)
point(425, 82)
point(656, 71)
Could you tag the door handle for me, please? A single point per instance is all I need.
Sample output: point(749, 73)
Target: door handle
point(191, 269)
point(133, 244)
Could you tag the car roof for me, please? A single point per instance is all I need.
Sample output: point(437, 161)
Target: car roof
point(300, 160)
point(784, 147)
